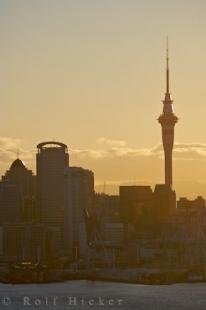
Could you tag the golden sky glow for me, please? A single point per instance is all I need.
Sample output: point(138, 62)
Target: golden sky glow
point(91, 74)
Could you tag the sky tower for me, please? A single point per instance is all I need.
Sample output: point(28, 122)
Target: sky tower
point(168, 120)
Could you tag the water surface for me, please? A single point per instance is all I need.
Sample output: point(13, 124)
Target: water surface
point(102, 295)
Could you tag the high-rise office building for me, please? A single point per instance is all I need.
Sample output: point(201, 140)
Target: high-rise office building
point(80, 196)
point(24, 242)
point(22, 177)
point(135, 201)
point(107, 206)
point(52, 162)
point(25, 182)
point(164, 201)
point(10, 203)
point(168, 120)
point(135, 207)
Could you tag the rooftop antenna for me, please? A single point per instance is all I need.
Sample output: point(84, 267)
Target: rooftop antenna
point(104, 188)
point(167, 68)
point(17, 153)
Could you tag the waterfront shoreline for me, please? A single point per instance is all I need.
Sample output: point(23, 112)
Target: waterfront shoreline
point(104, 279)
point(147, 275)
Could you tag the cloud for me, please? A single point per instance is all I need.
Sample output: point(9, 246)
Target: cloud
point(189, 151)
point(99, 154)
point(116, 149)
point(107, 148)
point(111, 142)
point(119, 149)
point(8, 143)
point(10, 147)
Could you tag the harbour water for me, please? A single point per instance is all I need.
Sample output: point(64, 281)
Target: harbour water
point(102, 295)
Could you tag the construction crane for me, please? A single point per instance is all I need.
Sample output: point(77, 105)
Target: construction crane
point(99, 248)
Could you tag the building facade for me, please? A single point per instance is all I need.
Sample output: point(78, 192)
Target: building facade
point(25, 182)
point(79, 197)
point(24, 241)
point(135, 202)
point(10, 203)
point(52, 162)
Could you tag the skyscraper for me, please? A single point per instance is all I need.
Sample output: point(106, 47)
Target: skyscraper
point(25, 182)
point(52, 161)
point(79, 197)
point(10, 203)
point(22, 177)
point(168, 120)
point(135, 201)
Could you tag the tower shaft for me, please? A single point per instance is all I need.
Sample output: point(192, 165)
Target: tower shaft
point(168, 167)
point(168, 120)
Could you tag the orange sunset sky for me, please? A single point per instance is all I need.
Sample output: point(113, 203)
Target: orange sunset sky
point(91, 74)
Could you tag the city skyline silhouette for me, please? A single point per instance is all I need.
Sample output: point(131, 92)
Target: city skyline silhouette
point(96, 84)
point(102, 154)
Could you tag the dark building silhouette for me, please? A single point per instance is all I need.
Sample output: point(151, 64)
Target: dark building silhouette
point(110, 224)
point(52, 161)
point(79, 197)
point(168, 120)
point(20, 235)
point(135, 208)
point(164, 199)
point(25, 182)
point(22, 177)
point(107, 206)
point(24, 242)
point(134, 202)
point(10, 203)
point(195, 209)
point(184, 203)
